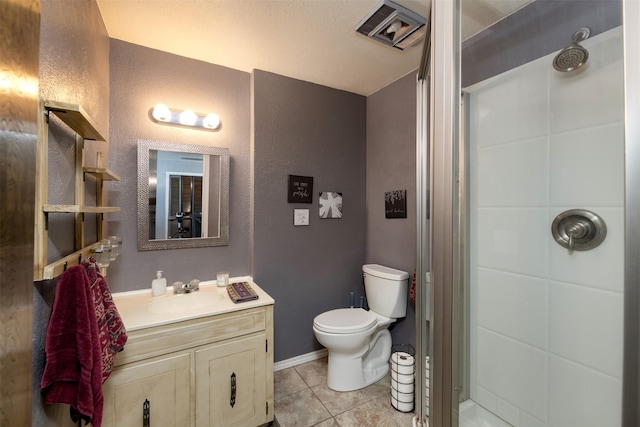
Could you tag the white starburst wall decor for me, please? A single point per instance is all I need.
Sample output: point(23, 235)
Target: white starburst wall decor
point(395, 204)
point(330, 205)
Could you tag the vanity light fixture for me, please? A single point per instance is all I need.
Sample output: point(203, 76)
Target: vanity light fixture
point(162, 114)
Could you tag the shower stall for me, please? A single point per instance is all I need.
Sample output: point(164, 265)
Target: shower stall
point(533, 239)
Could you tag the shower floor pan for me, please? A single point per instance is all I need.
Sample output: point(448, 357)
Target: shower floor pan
point(474, 415)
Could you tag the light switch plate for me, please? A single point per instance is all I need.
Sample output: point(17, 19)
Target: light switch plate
point(301, 217)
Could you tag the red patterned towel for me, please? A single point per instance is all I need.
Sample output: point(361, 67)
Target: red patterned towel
point(412, 290)
point(111, 330)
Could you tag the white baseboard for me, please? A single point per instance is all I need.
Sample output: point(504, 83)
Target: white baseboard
point(298, 360)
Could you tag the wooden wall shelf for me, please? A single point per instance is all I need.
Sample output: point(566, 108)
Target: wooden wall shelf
point(76, 118)
point(101, 173)
point(79, 209)
point(81, 123)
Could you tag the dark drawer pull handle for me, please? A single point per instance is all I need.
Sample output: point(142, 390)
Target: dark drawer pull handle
point(233, 390)
point(146, 413)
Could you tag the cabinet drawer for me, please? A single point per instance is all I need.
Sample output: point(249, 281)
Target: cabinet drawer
point(150, 342)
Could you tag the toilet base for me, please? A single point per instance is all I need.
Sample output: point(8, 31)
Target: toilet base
point(348, 372)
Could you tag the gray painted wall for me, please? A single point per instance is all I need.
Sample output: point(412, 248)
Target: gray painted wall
point(74, 68)
point(391, 165)
point(298, 128)
point(140, 78)
point(306, 129)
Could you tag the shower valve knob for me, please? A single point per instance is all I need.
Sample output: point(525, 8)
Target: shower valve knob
point(578, 229)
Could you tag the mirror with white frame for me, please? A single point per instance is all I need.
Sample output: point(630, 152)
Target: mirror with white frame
point(183, 195)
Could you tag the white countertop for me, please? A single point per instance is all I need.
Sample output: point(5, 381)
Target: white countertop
point(140, 309)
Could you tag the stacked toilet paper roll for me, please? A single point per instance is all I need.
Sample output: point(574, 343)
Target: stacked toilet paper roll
point(402, 381)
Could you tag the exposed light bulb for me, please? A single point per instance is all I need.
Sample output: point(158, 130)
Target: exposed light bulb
point(161, 113)
point(212, 121)
point(188, 118)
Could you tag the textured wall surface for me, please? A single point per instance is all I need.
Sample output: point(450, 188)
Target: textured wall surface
point(310, 130)
point(19, 44)
point(391, 165)
point(74, 68)
point(140, 78)
point(299, 128)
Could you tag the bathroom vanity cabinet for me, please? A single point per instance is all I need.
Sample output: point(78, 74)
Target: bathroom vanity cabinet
point(215, 370)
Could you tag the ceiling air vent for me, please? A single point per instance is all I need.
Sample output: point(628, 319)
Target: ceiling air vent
point(393, 25)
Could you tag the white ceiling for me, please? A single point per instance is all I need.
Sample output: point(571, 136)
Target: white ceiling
point(310, 40)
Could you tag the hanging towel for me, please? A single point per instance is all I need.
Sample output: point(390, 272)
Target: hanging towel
point(73, 368)
point(412, 290)
point(111, 330)
point(85, 332)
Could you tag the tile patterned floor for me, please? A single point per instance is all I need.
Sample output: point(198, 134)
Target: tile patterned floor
point(302, 399)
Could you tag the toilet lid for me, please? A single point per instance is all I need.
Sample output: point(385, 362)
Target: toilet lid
point(345, 321)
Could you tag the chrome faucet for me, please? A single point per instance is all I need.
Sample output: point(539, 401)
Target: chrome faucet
point(181, 288)
point(178, 288)
point(192, 286)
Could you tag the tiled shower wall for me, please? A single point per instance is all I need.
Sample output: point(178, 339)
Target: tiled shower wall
point(546, 325)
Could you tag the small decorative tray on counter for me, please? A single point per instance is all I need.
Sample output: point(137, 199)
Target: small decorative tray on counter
point(241, 292)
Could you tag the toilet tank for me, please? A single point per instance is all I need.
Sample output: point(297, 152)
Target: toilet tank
point(386, 290)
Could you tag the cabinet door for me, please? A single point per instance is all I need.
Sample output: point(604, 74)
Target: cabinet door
point(163, 382)
point(231, 383)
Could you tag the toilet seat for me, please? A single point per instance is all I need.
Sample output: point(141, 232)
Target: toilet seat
point(345, 321)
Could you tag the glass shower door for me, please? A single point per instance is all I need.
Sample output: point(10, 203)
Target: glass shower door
point(543, 341)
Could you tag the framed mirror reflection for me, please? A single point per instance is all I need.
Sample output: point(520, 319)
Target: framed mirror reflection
point(183, 195)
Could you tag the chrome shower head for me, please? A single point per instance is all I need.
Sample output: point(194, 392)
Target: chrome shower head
point(574, 56)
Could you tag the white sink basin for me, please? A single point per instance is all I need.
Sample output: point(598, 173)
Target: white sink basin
point(139, 309)
point(184, 303)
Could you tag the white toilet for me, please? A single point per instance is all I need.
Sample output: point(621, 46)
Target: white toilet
point(358, 340)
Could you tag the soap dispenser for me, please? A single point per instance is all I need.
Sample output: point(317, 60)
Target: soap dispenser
point(159, 284)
